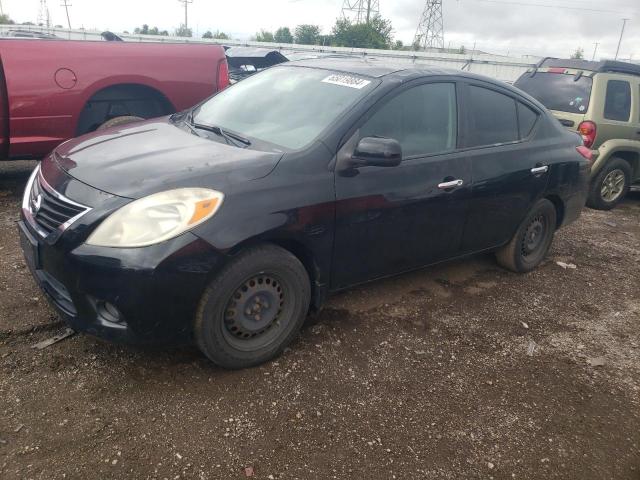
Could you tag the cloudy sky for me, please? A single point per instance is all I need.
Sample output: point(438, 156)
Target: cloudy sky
point(515, 27)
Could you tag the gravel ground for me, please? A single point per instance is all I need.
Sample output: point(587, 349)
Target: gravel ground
point(457, 371)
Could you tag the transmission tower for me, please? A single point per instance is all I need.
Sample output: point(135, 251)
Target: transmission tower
point(360, 11)
point(430, 31)
point(43, 14)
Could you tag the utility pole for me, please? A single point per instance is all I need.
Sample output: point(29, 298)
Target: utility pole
point(1, 9)
point(66, 5)
point(624, 22)
point(186, 7)
point(594, 51)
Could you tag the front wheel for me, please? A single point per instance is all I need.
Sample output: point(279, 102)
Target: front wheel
point(610, 185)
point(253, 308)
point(530, 244)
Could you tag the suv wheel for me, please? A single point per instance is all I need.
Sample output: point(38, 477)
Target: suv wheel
point(253, 308)
point(610, 185)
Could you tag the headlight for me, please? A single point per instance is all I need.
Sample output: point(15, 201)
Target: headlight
point(156, 218)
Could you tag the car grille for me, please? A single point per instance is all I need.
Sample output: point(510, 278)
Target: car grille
point(48, 210)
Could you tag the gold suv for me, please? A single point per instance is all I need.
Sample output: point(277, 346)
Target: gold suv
point(601, 101)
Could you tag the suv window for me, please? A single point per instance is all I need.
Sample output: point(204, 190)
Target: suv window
point(423, 119)
point(493, 117)
point(617, 103)
point(558, 91)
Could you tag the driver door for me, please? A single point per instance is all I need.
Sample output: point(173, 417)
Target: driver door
point(392, 219)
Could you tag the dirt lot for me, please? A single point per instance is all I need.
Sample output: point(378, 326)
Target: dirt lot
point(457, 371)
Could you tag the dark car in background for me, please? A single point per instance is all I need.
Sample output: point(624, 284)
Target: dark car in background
point(227, 223)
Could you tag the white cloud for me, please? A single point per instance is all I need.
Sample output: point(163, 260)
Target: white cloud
point(494, 27)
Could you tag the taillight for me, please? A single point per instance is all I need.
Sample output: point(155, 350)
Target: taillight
point(223, 74)
point(585, 152)
point(587, 130)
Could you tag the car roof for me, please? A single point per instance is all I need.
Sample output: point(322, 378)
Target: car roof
point(383, 68)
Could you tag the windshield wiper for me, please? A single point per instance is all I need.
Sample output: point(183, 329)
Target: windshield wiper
point(230, 137)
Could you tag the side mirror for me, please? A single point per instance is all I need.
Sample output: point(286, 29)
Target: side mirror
point(377, 152)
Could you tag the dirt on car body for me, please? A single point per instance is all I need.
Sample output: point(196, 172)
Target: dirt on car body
point(462, 370)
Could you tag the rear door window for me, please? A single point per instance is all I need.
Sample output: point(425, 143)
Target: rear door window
point(493, 118)
point(617, 103)
point(526, 120)
point(558, 91)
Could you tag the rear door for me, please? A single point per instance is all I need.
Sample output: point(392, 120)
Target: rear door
point(4, 116)
point(509, 170)
point(396, 218)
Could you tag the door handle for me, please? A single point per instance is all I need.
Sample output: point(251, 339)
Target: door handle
point(537, 170)
point(451, 184)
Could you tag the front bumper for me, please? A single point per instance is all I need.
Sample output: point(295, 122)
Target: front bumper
point(155, 289)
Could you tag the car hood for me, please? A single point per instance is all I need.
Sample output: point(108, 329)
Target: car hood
point(155, 155)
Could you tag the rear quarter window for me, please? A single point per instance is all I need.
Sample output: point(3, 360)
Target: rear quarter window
point(558, 91)
point(617, 103)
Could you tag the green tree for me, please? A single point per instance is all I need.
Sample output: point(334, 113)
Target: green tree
point(217, 35)
point(5, 20)
point(398, 45)
point(307, 34)
point(264, 36)
point(184, 31)
point(578, 54)
point(283, 35)
point(375, 34)
point(143, 31)
point(462, 50)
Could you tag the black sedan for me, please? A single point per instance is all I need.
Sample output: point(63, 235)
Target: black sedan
point(224, 225)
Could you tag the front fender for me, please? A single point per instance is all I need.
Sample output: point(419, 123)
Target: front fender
point(609, 148)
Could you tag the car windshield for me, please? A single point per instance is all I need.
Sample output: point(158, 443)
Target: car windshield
point(558, 91)
point(285, 106)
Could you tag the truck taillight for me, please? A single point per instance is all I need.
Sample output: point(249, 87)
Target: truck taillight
point(223, 74)
point(587, 130)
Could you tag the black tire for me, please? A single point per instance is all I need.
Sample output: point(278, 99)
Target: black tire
point(604, 181)
point(118, 121)
point(241, 324)
point(532, 240)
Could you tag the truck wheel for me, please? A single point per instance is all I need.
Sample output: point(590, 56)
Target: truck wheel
point(610, 185)
point(253, 308)
point(530, 244)
point(118, 121)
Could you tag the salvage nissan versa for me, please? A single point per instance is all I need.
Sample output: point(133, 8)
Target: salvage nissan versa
point(227, 223)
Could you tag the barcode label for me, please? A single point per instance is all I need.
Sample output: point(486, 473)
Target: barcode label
point(347, 81)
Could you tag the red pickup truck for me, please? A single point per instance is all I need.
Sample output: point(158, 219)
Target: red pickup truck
point(53, 90)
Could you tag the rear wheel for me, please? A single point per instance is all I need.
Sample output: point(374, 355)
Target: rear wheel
point(610, 185)
point(118, 121)
point(253, 308)
point(530, 244)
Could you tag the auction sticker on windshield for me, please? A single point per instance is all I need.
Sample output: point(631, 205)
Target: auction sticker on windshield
point(347, 81)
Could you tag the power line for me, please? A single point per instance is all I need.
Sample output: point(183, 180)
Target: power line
point(564, 7)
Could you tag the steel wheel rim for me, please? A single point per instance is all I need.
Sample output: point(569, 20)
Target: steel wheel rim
point(534, 236)
point(253, 315)
point(613, 185)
